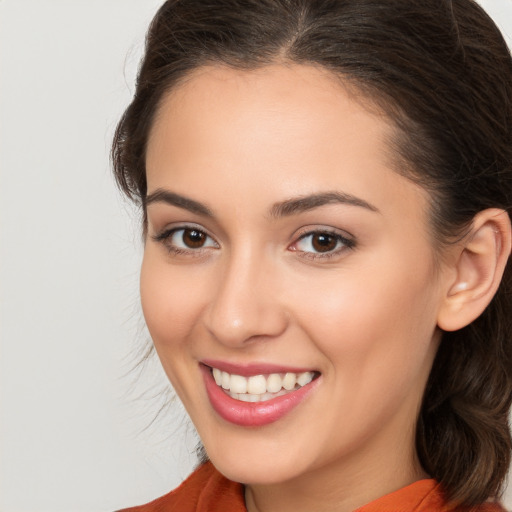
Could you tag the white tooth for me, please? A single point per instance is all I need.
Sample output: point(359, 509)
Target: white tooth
point(289, 381)
point(244, 397)
point(253, 397)
point(225, 380)
point(217, 375)
point(234, 395)
point(274, 383)
point(238, 384)
point(304, 378)
point(257, 385)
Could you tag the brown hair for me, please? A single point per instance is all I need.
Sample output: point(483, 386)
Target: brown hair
point(442, 72)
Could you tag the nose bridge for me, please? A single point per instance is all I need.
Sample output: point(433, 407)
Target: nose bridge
point(244, 304)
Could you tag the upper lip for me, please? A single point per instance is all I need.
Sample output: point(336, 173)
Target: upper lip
point(256, 368)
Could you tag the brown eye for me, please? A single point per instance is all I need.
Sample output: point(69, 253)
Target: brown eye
point(186, 239)
point(324, 242)
point(193, 238)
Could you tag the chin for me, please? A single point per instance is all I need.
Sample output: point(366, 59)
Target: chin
point(255, 472)
point(256, 461)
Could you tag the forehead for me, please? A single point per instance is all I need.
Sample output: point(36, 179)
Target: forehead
point(289, 97)
point(281, 130)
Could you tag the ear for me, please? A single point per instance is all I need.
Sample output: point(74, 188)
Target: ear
point(476, 270)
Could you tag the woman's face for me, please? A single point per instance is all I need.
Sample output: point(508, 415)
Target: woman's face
point(287, 257)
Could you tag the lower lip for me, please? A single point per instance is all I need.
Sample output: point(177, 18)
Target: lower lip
point(252, 414)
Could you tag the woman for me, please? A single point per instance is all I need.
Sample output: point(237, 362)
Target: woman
point(326, 196)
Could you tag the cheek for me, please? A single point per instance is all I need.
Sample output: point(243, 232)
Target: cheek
point(171, 303)
point(378, 343)
point(377, 321)
point(171, 300)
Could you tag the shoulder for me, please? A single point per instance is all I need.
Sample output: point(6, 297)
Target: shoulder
point(422, 496)
point(205, 490)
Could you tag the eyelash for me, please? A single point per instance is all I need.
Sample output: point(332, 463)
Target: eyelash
point(346, 244)
point(165, 236)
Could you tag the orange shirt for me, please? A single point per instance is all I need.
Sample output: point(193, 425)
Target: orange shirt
point(206, 490)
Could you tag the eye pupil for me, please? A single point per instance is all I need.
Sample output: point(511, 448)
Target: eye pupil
point(193, 238)
point(323, 242)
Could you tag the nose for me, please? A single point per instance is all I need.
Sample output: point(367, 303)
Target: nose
point(245, 303)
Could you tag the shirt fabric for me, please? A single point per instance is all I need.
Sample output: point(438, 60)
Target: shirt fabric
point(206, 490)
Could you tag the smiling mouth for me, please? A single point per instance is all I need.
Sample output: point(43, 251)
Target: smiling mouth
point(264, 394)
point(263, 387)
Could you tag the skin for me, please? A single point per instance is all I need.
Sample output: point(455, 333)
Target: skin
point(365, 317)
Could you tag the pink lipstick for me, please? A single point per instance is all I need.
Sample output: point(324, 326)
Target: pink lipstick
point(257, 413)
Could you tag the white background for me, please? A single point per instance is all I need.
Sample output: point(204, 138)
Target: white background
point(73, 417)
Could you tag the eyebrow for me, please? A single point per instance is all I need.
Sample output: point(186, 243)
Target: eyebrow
point(165, 196)
point(285, 208)
point(305, 203)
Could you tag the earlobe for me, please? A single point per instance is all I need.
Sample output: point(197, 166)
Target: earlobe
point(477, 270)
